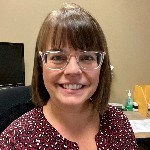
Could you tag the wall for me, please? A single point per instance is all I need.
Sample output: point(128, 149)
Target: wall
point(126, 24)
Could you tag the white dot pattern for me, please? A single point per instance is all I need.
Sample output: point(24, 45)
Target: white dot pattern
point(33, 132)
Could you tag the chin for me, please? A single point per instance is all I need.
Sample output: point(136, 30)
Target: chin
point(73, 101)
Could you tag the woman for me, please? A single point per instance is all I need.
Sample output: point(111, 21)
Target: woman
point(71, 87)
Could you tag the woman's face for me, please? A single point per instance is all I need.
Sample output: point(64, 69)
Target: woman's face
point(71, 86)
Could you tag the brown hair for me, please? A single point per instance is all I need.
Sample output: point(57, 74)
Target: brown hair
point(74, 26)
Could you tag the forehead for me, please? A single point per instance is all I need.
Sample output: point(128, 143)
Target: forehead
point(65, 48)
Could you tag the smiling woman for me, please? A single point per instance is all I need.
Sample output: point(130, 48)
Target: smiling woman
point(71, 87)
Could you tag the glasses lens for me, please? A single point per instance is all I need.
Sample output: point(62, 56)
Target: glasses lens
point(55, 59)
point(89, 60)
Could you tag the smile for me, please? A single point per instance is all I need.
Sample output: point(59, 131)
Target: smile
point(72, 86)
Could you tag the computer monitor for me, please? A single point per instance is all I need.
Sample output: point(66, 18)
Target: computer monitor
point(12, 67)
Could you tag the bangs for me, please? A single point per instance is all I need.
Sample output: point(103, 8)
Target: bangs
point(75, 29)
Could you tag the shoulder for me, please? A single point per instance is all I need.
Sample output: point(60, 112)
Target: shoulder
point(114, 120)
point(31, 131)
point(113, 113)
point(19, 129)
point(27, 120)
point(115, 126)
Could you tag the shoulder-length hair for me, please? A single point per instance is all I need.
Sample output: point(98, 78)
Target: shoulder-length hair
point(72, 25)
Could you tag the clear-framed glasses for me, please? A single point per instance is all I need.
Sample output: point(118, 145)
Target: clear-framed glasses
point(58, 59)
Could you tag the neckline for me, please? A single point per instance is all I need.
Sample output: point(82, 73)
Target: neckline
point(60, 135)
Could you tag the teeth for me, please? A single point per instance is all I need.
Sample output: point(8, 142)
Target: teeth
point(72, 86)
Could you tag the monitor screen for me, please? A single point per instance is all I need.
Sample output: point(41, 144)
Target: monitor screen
point(12, 68)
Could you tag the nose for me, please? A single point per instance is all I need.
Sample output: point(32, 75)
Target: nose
point(73, 67)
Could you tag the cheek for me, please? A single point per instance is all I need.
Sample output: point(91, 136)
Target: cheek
point(47, 77)
point(50, 77)
point(95, 77)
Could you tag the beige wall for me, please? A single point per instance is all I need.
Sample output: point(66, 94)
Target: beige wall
point(126, 24)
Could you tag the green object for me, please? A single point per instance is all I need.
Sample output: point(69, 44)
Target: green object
point(129, 102)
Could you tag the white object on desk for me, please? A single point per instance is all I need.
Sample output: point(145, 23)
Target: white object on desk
point(140, 125)
point(118, 105)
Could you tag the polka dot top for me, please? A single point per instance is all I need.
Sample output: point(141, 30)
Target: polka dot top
point(33, 132)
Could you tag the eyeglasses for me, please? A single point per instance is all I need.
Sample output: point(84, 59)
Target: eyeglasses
point(58, 59)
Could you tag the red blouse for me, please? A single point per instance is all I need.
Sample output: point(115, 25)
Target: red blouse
point(33, 132)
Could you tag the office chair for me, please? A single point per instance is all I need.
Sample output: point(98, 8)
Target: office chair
point(12, 96)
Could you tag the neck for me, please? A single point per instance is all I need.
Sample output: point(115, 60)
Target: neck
point(75, 120)
point(78, 125)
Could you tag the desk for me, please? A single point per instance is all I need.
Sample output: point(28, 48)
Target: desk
point(132, 115)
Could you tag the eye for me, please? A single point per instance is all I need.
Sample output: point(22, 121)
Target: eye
point(87, 57)
point(56, 58)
